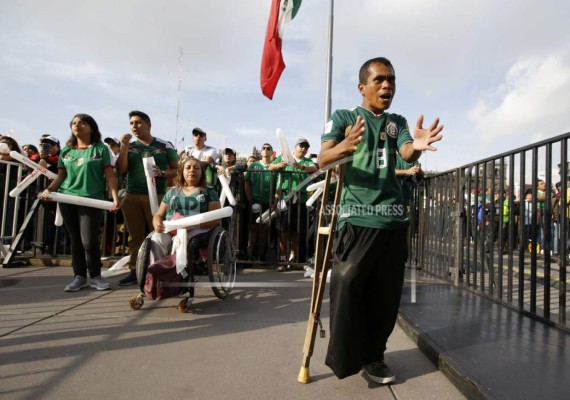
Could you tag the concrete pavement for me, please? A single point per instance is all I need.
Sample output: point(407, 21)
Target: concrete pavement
point(91, 345)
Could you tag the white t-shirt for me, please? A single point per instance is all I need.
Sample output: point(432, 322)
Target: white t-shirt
point(202, 154)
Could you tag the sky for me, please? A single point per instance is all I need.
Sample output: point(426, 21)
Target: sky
point(497, 73)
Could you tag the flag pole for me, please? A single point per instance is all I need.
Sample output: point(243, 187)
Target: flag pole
point(329, 63)
point(178, 103)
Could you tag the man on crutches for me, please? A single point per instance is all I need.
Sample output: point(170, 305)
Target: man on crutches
point(370, 247)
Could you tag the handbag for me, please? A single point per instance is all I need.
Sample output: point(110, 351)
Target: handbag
point(162, 281)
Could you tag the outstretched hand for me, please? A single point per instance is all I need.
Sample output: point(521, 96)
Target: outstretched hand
point(423, 138)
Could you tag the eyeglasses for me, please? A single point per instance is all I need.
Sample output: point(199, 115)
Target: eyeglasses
point(266, 148)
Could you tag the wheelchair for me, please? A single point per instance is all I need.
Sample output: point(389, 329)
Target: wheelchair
point(209, 254)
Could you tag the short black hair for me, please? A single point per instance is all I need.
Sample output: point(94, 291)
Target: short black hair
point(141, 115)
point(363, 74)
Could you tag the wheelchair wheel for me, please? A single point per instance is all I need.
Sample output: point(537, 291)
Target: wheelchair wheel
point(143, 259)
point(221, 262)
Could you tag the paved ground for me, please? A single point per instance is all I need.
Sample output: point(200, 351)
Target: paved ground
point(91, 345)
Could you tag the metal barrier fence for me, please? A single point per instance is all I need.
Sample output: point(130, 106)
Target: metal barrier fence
point(470, 225)
point(28, 228)
point(477, 228)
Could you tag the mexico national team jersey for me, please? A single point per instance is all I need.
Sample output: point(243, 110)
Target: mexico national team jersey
point(85, 170)
point(163, 153)
point(262, 183)
point(371, 195)
point(193, 204)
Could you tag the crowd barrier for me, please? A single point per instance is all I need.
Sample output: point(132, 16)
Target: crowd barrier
point(477, 230)
point(467, 226)
point(28, 229)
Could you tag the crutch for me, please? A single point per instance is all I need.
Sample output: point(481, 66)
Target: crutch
point(325, 236)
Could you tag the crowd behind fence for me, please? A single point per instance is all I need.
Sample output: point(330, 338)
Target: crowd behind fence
point(27, 224)
point(499, 226)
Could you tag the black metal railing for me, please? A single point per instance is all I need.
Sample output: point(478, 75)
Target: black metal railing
point(479, 232)
point(470, 225)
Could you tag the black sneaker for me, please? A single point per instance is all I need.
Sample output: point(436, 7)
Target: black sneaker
point(380, 373)
point(130, 279)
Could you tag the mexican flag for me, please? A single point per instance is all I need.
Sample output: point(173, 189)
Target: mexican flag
point(272, 65)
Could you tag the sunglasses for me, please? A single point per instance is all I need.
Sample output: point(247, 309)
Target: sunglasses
point(198, 134)
point(304, 145)
point(266, 148)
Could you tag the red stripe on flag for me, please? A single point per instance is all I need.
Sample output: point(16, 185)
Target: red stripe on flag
point(272, 64)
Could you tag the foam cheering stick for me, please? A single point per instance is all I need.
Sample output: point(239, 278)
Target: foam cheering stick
point(25, 160)
point(58, 221)
point(286, 154)
point(198, 219)
point(181, 251)
point(27, 181)
point(319, 184)
point(267, 216)
point(149, 165)
point(120, 267)
point(225, 181)
point(81, 201)
point(222, 198)
point(314, 197)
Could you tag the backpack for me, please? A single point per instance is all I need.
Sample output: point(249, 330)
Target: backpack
point(162, 280)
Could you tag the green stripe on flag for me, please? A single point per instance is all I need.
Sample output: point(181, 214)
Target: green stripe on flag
point(287, 11)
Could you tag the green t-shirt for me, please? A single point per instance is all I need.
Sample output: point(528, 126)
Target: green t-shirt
point(371, 195)
point(262, 185)
point(85, 170)
point(193, 204)
point(163, 153)
point(289, 183)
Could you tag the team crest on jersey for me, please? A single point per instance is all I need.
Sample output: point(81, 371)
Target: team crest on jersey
point(392, 130)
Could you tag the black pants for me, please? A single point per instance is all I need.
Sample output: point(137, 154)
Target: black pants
point(83, 224)
point(366, 285)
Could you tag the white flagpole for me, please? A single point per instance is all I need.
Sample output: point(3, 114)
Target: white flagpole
point(329, 64)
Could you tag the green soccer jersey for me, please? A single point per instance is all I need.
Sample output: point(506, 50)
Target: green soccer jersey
point(262, 185)
point(85, 170)
point(371, 195)
point(289, 183)
point(193, 204)
point(163, 153)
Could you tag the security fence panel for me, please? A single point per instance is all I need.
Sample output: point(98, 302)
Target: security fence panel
point(500, 227)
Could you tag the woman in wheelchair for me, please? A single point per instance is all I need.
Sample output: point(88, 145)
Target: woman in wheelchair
point(188, 197)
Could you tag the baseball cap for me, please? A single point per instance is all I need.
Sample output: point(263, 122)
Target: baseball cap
point(50, 139)
point(112, 139)
point(228, 150)
point(303, 140)
point(198, 131)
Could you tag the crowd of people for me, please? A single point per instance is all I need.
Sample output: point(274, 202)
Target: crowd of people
point(371, 247)
point(265, 181)
point(495, 212)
